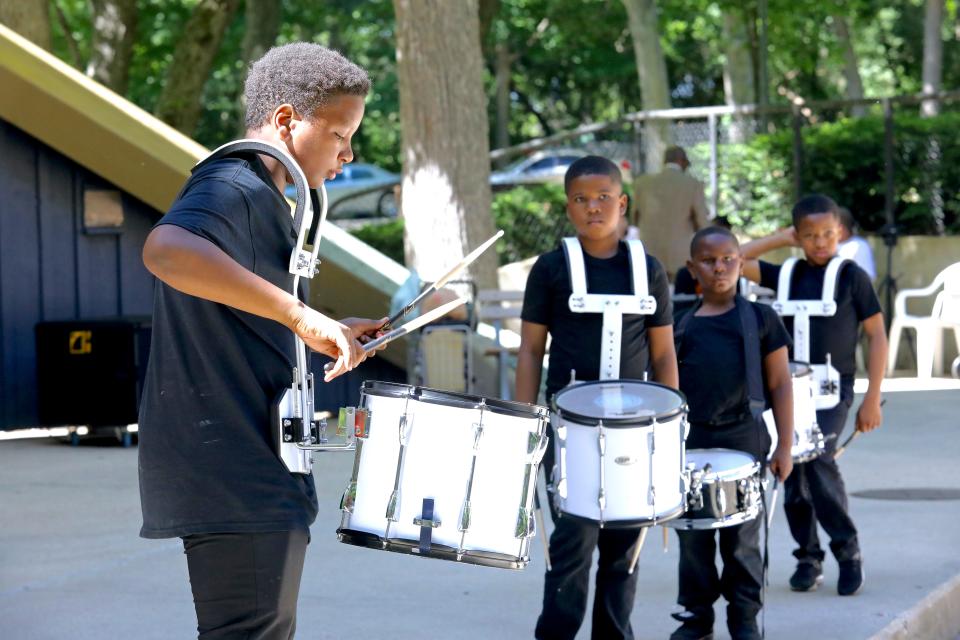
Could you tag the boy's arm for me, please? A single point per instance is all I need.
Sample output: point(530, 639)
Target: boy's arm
point(752, 250)
point(869, 416)
point(663, 356)
point(196, 266)
point(533, 344)
point(776, 372)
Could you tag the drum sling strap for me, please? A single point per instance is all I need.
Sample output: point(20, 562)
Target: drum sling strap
point(754, 371)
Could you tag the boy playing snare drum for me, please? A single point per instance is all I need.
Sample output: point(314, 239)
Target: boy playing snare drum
point(713, 366)
point(595, 205)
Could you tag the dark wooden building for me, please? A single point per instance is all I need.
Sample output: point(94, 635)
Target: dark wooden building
point(84, 175)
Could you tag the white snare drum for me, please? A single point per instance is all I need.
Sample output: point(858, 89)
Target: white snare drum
point(444, 475)
point(724, 490)
point(619, 448)
point(808, 442)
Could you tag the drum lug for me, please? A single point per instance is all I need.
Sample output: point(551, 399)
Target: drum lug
point(349, 497)
point(393, 505)
point(465, 516)
point(526, 523)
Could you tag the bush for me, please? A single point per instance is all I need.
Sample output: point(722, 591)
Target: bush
point(387, 238)
point(844, 159)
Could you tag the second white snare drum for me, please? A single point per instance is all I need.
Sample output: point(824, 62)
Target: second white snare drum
point(808, 442)
point(456, 469)
point(724, 489)
point(619, 448)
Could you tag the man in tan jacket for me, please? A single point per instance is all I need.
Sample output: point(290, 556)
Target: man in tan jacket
point(670, 208)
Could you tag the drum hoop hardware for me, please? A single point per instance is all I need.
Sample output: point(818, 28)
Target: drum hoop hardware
point(404, 424)
point(602, 446)
point(465, 509)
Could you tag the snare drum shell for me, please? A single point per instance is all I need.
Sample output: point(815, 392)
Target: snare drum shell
point(438, 457)
point(807, 441)
point(730, 493)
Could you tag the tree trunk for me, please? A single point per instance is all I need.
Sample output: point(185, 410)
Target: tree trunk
point(180, 103)
point(738, 82)
point(652, 70)
point(262, 22)
point(853, 85)
point(446, 168)
point(932, 55)
point(114, 32)
point(29, 18)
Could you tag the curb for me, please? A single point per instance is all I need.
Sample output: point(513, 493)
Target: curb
point(936, 617)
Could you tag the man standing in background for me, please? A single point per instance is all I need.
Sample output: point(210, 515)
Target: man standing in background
point(670, 208)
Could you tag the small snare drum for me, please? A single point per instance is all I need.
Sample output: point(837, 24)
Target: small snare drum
point(724, 489)
point(619, 448)
point(808, 442)
point(444, 475)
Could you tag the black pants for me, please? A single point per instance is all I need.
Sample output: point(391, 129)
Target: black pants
point(566, 585)
point(815, 492)
point(741, 581)
point(245, 585)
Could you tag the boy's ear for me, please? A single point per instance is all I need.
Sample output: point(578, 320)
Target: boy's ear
point(693, 272)
point(282, 119)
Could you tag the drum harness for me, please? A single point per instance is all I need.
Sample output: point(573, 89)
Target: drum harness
point(296, 433)
point(613, 307)
point(757, 403)
point(826, 377)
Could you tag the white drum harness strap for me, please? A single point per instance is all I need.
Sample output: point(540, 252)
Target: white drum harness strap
point(612, 306)
point(296, 433)
point(827, 388)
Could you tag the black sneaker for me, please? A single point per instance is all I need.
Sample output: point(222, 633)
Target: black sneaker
point(807, 577)
point(851, 578)
point(695, 626)
point(693, 630)
point(744, 629)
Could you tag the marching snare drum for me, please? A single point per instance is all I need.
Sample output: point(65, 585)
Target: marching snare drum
point(444, 475)
point(619, 448)
point(808, 441)
point(724, 489)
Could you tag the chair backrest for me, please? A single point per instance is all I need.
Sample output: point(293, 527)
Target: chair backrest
point(496, 306)
point(445, 358)
point(946, 306)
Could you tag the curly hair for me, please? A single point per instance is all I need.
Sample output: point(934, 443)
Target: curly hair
point(302, 74)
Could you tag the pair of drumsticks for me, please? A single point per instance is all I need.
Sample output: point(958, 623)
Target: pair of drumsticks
point(392, 333)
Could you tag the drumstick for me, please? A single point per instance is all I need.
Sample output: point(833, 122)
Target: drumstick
point(416, 323)
point(636, 552)
point(773, 501)
point(666, 539)
point(444, 279)
point(853, 436)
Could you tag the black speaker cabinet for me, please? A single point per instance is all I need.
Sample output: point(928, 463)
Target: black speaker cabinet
point(90, 372)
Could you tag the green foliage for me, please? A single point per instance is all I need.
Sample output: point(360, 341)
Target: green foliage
point(533, 219)
point(844, 159)
point(387, 238)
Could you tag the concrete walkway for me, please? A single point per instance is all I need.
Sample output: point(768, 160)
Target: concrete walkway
point(72, 566)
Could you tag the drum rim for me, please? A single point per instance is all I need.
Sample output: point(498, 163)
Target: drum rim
point(592, 421)
point(724, 476)
point(441, 397)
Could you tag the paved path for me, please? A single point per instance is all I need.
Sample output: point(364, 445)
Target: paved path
point(72, 566)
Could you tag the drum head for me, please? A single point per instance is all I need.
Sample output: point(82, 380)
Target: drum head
point(799, 369)
point(726, 463)
point(452, 399)
point(619, 402)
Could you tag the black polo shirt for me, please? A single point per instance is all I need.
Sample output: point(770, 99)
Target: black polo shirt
point(207, 462)
point(576, 336)
point(836, 334)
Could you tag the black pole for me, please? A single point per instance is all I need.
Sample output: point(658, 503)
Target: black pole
point(889, 230)
point(797, 154)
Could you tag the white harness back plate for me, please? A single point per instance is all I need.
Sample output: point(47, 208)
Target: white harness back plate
point(612, 306)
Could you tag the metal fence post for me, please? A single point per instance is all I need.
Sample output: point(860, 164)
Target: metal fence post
point(714, 184)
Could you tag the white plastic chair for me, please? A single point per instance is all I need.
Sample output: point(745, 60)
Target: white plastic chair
point(944, 315)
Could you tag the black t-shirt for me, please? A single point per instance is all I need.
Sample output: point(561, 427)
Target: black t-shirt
point(576, 336)
point(713, 373)
point(836, 334)
point(207, 461)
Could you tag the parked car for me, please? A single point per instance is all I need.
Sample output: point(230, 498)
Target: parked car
point(546, 165)
point(362, 190)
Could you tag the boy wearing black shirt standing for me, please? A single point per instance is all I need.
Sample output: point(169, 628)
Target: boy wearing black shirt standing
point(713, 375)
point(223, 348)
point(595, 206)
point(815, 492)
